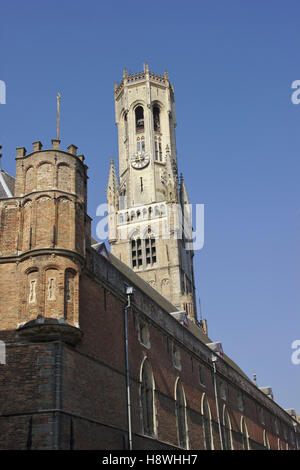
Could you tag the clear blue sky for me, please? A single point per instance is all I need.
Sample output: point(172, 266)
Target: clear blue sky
point(238, 137)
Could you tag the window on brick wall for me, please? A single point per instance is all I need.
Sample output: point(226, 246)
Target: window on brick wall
point(240, 401)
point(227, 436)
point(245, 435)
point(180, 408)
point(201, 375)
point(176, 357)
point(266, 440)
point(207, 423)
point(32, 291)
point(262, 416)
point(147, 399)
point(223, 392)
point(144, 334)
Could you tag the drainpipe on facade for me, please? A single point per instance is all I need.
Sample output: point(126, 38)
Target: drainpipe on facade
point(214, 360)
point(129, 292)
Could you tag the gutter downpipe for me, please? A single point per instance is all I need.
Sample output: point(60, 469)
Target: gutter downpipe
point(127, 371)
point(214, 360)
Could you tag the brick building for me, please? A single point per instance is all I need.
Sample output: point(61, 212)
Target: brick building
point(91, 363)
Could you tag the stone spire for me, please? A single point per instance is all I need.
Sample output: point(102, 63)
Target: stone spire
point(112, 185)
point(183, 191)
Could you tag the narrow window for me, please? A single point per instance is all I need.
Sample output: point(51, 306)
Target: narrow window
point(69, 286)
point(176, 357)
point(144, 335)
point(223, 390)
point(51, 289)
point(180, 408)
point(156, 151)
point(227, 440)
point(32, 291)
point(201, 376)
point(147, 399)
point(139, 253)
point(240, 401)
point(139, 119)
point(266, 441)
point(207, 424)
point(156, 120)
point(68, 290)
point(244, 432)
point(160, 152)
point(142, 188)
point(133, 253)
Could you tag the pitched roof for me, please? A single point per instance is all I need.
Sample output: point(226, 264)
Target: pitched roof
point(7, 185)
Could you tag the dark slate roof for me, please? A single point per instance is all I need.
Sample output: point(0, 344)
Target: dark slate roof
point(7, 185)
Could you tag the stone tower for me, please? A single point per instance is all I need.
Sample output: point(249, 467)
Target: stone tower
point(43, 234)
point(146, 205)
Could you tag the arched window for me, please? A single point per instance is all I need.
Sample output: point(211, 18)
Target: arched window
point(156, 120)
point(180, 408)
point(139, 119)
point(150, 249)
point(136, 253)
point(207, 424)
point(245, 436)
point(147, 399)
point(266, 441)
point(125, 125)
point(227, 438)
point(143, 250)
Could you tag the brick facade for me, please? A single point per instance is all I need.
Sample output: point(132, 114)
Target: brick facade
point(62, 319)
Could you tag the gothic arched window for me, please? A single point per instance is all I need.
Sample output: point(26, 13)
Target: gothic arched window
point(180, 407)
point(136, 253)
point(245, 436)
point(227, 438)
point(139, 119)
point(156, 120)
point(147, 399)
point(150, 249)
point(266, 441)
point(207, 424)
point(143, 251)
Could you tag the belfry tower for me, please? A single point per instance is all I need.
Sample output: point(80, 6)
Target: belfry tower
point(146, 204)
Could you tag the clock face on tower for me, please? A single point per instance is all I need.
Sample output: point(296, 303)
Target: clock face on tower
point(140, 160)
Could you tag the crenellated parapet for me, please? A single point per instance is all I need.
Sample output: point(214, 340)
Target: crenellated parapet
point(136, 78)
point(43, 237)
